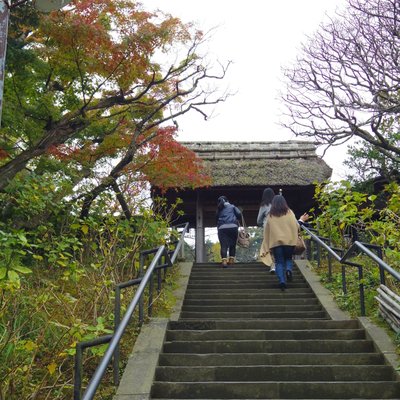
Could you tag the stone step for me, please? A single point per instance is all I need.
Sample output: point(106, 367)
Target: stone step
point(259, 315)
point(253, 294)
point(243, 285)
point(290, 373)
point(277, 390)
point(288, 324)
point(235, 270)
point(271, 346)
point(255, 302)
point(327, 334)
point(234, 359)
point(249, 279)
point(248, 293)
point(224, 272)
point(269, 280)
point(243, 308)
point(249, 265)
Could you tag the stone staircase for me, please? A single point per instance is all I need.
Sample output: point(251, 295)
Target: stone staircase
point(240, 337)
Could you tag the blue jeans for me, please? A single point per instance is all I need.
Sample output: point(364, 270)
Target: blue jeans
point(283, 256)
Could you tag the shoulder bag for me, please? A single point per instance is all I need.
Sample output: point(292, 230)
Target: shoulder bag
point(300, 246)
point(243, 239)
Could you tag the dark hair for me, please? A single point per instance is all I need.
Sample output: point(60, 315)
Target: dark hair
point(267, 197)
point(220, 202)
point(279, 206)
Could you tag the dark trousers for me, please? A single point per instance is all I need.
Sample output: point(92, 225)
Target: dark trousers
point(227, 238)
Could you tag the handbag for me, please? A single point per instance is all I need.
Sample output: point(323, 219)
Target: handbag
point(243, 239)
point(300, 246)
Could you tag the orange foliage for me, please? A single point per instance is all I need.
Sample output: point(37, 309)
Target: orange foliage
point(3, 154)
point(114, 39)
point(165, 163)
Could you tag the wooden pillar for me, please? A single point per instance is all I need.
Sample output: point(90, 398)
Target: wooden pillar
point(199, 237)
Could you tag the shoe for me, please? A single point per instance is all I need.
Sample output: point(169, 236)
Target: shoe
point(272, 270)
point(282, 285)
point(289, 276)
point(224, 263)
point(231, 260)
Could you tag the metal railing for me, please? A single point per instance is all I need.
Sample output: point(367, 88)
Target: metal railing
point(343, 258)
point(163, 258)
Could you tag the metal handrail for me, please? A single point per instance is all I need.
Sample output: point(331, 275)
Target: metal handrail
point(121, 327)
point(343, 259)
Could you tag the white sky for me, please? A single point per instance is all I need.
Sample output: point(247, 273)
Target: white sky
point(259, 36)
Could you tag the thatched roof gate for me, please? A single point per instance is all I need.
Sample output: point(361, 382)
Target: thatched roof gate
point(241, 171)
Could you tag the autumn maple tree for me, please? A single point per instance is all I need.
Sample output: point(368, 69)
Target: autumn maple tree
point(99, 83)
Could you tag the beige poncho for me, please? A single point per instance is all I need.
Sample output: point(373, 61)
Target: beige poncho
point(278, 231)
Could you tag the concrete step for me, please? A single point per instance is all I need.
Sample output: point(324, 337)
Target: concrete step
point(271, 346)
point(277, 390)
point(234, 359)
point(288, 324)
point(243, 308)
point(238, 280)
point(243, 285)
point(252, 294)
point(258, 315)
point(327, 334)
point(234, 274)
point(283, 373)
point(248, 293)
point(255, 301)
point(235, 270)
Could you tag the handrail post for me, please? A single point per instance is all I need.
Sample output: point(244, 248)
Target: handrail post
point(150, 303)
point(318, 255)
point(361, 287)
point(117, 320)
point(159, 278)
point(78, 372)
point(166, 258)
point(141, 300)
point(330, 263)
point(344, 284)
point(182, 251)
point(381, 270)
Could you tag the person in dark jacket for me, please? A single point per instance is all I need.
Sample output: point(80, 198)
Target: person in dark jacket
point(227, 224)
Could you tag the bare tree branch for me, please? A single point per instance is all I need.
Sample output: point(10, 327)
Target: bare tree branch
point(346, 81)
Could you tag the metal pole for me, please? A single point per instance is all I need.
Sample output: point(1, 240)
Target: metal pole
point(141, 300)
point(4, 17)
point(117, 320)
point(381, 270)
point(361, 287)
point(78, 372)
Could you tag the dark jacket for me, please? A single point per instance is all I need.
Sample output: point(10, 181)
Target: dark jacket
point(228, 215)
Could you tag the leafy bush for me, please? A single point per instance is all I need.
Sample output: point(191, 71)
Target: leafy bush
point(57, 277)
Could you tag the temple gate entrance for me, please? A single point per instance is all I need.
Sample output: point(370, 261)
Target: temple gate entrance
point(241, 171)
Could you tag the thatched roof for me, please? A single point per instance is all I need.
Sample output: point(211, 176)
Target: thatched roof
point(291, 163)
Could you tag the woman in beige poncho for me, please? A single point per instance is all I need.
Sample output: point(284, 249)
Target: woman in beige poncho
point(280, 237)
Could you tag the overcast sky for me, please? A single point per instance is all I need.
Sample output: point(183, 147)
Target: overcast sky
point(259, 37)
